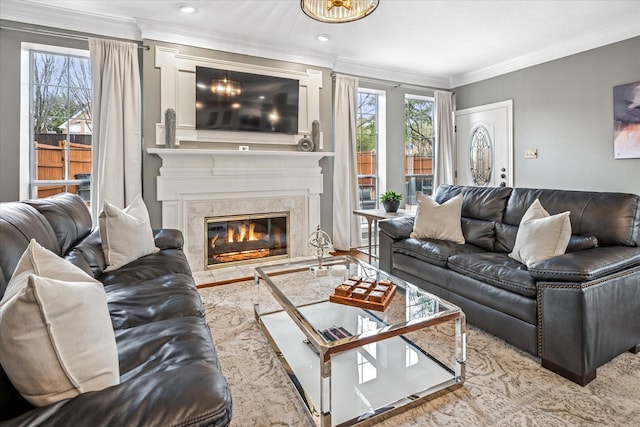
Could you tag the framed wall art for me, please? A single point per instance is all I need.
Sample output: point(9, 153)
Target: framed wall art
point(626, 121)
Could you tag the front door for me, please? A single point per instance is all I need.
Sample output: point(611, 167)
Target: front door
point(484, 145)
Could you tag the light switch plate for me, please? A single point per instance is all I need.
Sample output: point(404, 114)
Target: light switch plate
point(531, 153)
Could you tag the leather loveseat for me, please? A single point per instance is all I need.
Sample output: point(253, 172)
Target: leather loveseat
point(575, 311)
point(169, 370)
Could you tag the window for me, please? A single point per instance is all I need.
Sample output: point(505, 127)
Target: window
point(418, 142)
point(367, 148)
point(59, 122)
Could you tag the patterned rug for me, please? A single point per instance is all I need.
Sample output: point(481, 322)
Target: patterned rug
point(504, 386)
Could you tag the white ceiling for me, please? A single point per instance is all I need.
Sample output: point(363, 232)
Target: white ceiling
point(433, 43)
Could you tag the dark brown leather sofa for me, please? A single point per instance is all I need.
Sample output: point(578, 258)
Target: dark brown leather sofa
point(169, 370)
point(576, 311)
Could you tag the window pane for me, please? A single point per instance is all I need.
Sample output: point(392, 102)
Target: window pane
point(60, 124)
point(367, 140)
point(49, 190)
point(50, 69)
point(50, 108)
point(49, 158)
point(418, 147)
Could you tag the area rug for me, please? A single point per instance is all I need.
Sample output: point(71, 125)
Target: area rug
point(504, 386)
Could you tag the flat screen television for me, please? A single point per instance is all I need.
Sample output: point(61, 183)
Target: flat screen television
point(235, 101)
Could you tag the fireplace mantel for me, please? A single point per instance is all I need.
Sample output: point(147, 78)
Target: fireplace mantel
point(197, 183)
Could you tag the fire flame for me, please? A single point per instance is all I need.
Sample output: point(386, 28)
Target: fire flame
point(244, 233)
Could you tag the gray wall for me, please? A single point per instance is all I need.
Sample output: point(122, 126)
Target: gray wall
point(152, 115)
point(564, 108)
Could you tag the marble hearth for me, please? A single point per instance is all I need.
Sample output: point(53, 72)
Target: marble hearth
point(198, 183)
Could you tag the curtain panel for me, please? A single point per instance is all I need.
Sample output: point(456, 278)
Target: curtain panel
point(346, 226)
point(445, 140)
point(117, 143)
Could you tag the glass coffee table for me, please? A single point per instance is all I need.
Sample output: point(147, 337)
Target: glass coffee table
point(351, 364)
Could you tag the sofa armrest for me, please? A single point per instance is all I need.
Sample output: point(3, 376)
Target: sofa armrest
point(397, 228)
point(168, 238)
point(581, 326)
point(586, 265)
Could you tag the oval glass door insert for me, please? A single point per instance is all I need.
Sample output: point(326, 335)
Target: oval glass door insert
point(480, 156)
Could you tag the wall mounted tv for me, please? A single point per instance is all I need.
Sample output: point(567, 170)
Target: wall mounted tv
point(235, 101)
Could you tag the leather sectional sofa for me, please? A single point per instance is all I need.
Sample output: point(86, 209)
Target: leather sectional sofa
point(575, 311)
point(169, 370)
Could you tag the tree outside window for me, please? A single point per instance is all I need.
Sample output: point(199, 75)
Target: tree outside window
point(367, 141)
point(418, 143)
point(60, 118)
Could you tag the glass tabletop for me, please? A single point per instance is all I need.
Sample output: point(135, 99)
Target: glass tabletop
point(304, 292)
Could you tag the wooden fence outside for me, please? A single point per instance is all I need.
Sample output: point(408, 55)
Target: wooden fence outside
point(51, 164)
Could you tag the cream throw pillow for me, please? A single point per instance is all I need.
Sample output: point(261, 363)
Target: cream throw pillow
point(56, 337)
point(126, 234)
point(540, 235)
point(435, 221)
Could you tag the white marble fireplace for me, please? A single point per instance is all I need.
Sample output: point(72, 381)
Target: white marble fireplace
point(198, 183)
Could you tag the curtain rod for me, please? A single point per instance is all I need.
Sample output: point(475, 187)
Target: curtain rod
point(57, 34)
point(390, 83)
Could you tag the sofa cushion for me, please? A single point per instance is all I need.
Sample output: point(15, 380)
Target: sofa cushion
point(497, 269)
point(68, 216)
point(433, 251)
point(479, 233)
point(485, 203)
point(91, 250)
point(19, 223)
point(126, 233)
point(541, 236)
point(581, 243)
point(54, 320)
point(438, 221)
point(150, 289)
point(590, 212)
point(506, 239)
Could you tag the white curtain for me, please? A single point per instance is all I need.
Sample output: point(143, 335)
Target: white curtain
point(116, 120)
point(346, 226)
point(445, 140)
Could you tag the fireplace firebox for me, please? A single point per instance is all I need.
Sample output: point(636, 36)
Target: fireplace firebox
point(241, 239)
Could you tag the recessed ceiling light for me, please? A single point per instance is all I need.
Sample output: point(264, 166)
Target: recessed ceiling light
point(323, 37)
point(185, 8)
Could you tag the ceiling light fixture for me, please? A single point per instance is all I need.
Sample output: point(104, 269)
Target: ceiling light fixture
point(338, 11)
point(185, 8)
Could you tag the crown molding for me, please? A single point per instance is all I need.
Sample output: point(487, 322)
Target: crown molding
point(625, 29)
point(160, 31)
point(362, 69)
point(40, 13)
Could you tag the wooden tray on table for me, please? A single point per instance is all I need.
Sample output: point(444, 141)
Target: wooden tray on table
point(364, 293)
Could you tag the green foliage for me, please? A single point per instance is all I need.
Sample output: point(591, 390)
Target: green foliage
point(366, 132)
point(390, 196)
point(418, 137)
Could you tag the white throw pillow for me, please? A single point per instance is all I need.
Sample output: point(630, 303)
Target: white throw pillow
point(126, 234)
point(540, 235)
point(56, 336)
point(435, 221)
